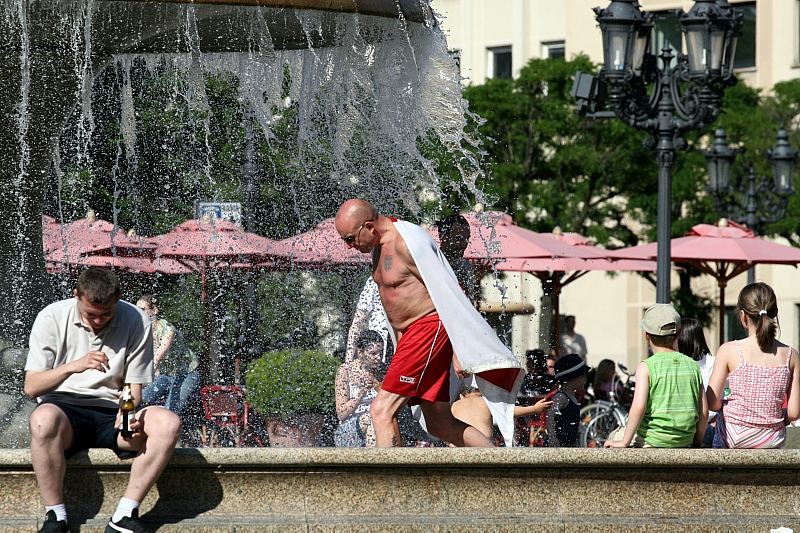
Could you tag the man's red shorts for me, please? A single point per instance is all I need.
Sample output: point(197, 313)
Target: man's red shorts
point(420, 368)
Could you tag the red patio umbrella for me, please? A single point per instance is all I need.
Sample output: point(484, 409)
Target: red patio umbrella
point(723, 252)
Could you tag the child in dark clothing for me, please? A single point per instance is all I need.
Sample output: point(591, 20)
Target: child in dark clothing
point(564, 417)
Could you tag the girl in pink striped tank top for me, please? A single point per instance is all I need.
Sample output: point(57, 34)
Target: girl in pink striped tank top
point(763, 375)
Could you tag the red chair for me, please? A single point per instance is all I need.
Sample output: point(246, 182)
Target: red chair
point(226, 412)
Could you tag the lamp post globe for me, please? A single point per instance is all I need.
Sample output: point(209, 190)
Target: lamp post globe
point(682, 96)
point(757, 201)
point(719, 159)
point(782, 158)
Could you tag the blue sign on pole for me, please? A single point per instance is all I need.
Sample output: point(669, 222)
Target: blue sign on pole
point(220, 210)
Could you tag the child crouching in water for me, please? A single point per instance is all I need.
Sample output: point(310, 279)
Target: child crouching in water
point(564, 417)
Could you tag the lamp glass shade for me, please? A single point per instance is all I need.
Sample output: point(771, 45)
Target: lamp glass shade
point(730, 52)
point(719, 172)
point(716, 48)
point(719, 159)
point(617, 48)
point(783, 174)
point(640, 46)
point(696, 49)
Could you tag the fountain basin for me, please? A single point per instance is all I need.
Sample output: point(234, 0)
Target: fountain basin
point(415, 489)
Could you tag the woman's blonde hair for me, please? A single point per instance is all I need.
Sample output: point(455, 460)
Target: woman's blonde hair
point(759, 303)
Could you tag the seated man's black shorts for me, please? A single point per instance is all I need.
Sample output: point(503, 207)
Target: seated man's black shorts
point(92, 427)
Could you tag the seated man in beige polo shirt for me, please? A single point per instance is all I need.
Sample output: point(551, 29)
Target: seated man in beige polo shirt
point(82, 351)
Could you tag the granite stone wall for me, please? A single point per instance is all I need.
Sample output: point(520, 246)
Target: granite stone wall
point(410, 489)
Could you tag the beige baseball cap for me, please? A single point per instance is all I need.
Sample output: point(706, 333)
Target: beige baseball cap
point(661, 319)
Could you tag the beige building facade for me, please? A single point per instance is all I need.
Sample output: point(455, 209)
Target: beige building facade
point(496, 39)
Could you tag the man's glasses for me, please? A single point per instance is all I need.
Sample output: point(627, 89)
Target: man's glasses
point(351, 239)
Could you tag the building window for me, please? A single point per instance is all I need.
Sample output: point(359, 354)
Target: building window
point(553, 50)
point(733, 328)
point(746, 45)
point(666, 32)
point(499, 62)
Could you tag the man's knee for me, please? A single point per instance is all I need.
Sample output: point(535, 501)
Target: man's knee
point(377, 411)
point(382, 411)
point(47, 422)
point(160, 422)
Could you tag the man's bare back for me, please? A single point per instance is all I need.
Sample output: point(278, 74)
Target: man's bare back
point(405, 297)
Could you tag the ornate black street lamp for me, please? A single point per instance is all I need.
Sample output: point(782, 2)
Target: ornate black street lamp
point(665, 100)
point(759, 200)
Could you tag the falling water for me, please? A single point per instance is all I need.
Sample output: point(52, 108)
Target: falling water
point(343, 106)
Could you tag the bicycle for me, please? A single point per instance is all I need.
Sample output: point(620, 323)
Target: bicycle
point(600, 418)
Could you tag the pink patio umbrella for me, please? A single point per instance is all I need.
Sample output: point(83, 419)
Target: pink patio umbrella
point(723, 252)
point(494, 236)
point(143, 265)
point(557, 272)
point(495, 239)
point(320, 247)
point(213, 244)
point(109, 246)
point(51, 234)
point(89, 235)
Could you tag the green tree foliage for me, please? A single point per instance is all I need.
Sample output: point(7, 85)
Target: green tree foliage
point(548, 166)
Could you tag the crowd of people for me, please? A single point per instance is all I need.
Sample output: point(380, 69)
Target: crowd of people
point(416, 340)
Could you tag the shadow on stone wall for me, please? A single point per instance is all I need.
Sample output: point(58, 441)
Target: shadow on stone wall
point(83, 491)
point(181, 496)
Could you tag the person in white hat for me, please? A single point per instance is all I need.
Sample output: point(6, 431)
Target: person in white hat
point(669, 407)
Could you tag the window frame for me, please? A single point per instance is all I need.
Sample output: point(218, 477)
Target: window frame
point(548, 46)
point(491, 53)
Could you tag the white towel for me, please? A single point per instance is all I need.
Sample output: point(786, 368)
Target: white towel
point(473, 339)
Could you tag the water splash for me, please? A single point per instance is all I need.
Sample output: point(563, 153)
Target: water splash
point(341, 103)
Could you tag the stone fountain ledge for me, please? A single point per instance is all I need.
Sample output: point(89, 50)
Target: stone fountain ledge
point(225, 458)
point(423, 489)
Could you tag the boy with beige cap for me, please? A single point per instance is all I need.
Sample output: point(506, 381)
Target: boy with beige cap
point(669, 407)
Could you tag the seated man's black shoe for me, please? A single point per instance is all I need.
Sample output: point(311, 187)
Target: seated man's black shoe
point(51, 525)
point(127, 524)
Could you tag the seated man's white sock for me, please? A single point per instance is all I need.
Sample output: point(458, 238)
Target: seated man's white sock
point(125, 508)
point(60, 510)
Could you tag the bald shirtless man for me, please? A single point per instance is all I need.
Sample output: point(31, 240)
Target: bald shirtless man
point(420, 369)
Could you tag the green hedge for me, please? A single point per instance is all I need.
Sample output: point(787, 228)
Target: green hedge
point(290, 382)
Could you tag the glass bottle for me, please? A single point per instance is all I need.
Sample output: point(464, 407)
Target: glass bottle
point(126, 408)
